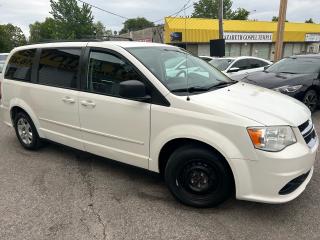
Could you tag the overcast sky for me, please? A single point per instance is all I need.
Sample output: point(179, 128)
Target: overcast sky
point(24, 12)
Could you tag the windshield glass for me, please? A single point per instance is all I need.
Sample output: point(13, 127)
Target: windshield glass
point(178, 70)
point(296, 66)
point(222, 63)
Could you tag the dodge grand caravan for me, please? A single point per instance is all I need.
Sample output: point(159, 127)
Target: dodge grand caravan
point(207, 135)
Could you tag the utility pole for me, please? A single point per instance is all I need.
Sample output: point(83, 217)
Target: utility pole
point(280, 31)
point(220, 14)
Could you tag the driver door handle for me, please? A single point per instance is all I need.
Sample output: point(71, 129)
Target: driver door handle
point(88, 103)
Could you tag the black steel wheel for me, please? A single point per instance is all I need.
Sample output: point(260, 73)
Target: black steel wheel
point(198, 177)
point(311, 100)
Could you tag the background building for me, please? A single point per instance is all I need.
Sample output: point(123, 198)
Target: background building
point(250, 38)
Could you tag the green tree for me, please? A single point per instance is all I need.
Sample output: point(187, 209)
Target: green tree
point(310, 20)
point(10, 37)
point(275, 19)
point(209, 9)
point(43, 31)
point(135, 24)
point(99, 29)
point(72, 21)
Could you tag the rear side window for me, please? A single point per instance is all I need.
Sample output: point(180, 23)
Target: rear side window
point(20, 66)
point(59, 67)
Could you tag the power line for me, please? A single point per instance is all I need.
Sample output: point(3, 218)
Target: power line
point(101, 9)
point(185, 7)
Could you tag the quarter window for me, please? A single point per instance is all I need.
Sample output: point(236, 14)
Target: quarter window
point(106, 71)
point(59, 67)
point(20, 66)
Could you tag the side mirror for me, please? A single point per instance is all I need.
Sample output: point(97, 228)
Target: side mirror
point(266, 67)
point(234, 69)
point(133, 89)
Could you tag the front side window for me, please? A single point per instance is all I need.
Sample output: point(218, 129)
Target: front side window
point(178, 70)
point(20, 65)
point(106, 71)
point(59, 67)
point(298, 65)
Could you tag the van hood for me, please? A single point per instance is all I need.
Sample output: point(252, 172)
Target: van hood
point(259, 104)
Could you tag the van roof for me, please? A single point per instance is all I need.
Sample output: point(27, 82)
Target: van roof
point(123, 44)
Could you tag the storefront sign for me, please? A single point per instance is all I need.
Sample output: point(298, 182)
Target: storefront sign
point(247, 37)
point(312, 37)
point(176, 36)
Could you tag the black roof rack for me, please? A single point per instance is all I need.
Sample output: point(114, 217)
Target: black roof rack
point(89, 39)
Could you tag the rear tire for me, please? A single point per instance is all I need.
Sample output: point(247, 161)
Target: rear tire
point(26, 131)
point(311, 100)
point(198, 177)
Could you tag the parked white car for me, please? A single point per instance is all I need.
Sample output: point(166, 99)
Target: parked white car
point(208, 135)
point(3, 57)
point(207, 58)
point(240, 66)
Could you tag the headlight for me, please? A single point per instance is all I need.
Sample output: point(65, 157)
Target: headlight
point(288, 89)
point(272, 139)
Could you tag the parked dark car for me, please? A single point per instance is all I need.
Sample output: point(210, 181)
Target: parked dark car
point(296, 76)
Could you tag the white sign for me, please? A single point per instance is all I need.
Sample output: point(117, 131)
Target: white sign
point(312, 37)
point(247, 37)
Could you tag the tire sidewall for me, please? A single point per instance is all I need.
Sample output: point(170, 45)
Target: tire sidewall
point(185, 155)
point(313, 92)
point(35, 138)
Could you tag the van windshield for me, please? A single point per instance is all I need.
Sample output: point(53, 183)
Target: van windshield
point(180, 71)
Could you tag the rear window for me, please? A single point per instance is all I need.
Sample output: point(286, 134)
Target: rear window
point(59, 67)
point(20, 66)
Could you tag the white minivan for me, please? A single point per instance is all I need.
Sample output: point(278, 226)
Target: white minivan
point(209, 136)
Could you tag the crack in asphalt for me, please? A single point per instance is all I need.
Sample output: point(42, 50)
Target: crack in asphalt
point(87, 179)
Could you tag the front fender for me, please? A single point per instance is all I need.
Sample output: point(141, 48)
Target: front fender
point(215, 139)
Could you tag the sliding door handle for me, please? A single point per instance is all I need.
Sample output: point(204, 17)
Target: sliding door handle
point(68, 100)
point(88, 103)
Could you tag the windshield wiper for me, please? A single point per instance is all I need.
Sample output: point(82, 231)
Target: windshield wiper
point(205, 89)
point(288, 72)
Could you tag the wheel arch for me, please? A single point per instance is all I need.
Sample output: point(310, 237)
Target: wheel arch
point(175, 143)
point(17, 105)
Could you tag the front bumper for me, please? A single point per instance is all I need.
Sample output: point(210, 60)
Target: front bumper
point(262, 180)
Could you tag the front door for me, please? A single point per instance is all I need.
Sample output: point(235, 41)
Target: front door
point(113, 127)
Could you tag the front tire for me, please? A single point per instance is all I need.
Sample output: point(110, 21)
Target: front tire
point(26, 131)
point(311, 100)
point(198, 177)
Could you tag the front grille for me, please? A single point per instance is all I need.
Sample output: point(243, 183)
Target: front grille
point(293, 184)
point(308, 132)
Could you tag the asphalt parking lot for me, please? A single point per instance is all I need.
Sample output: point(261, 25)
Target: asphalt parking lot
point(60, 193)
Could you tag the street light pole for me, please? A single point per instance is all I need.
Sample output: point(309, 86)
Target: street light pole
point(280, 31)
point(220, 15)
